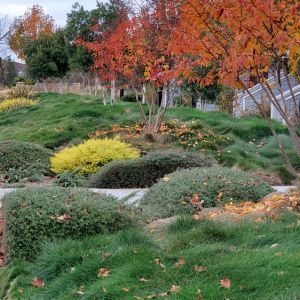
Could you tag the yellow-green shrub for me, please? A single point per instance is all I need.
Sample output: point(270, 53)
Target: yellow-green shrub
point(90, 156)
point(11, 104)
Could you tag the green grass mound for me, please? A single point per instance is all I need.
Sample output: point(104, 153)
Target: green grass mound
point(180, 192)
point(33, 215)
point(21, 155)
point(145, 171)
point(260, 259)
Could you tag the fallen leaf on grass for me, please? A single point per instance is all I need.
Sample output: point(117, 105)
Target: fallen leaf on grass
point(64, 217)
point(125, 289)
point(103, 272)
point(175, 289)
point(81, 291)
point(158, 262)
point(105, 254)
point(274, 246)
point(225, 283)
point(200, 268)
point(144, 279)
point(181, 261)
point(37, 282)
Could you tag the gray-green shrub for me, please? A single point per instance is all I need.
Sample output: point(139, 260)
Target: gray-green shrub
point(33, 215)
point(216, 185)
point(20, 155)
point(145, 171)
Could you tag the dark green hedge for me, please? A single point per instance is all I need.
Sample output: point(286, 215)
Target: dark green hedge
point(20, 155)
point(144, 171)
point(214, 186)
point(33, 215)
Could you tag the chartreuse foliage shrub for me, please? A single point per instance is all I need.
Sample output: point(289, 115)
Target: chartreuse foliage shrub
point(11, 104)
point(90, 156)
point(146, 170)
point(214, 186)
point(33, 215)
point(22, 155)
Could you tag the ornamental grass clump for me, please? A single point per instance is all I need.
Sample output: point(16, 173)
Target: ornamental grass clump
point(186, 191)
point(12, 104)
point(91, 155)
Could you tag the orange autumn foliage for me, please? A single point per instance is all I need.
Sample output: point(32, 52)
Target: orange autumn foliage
point(31, 26)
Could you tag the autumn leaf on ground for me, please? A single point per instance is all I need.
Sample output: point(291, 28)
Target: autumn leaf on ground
point(181, 261)
point(158, 262)
point(64, 217)
point(144, 279)
point(175, 289)
point(105, 254)
point(103, 272)
point(225, 283)
point(81, 291)
point(274, 246)
point(37, 282)
point(200, 268)
point(125, 289)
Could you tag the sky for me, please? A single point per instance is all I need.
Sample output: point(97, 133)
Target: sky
point(58, 9)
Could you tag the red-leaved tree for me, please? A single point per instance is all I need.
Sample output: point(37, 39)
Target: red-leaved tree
point(241, 40)
point(137, 53)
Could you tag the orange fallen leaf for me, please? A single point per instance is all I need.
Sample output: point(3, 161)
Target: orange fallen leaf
point(175, 289)
point(64, 217)
point(225, 283)
point(200, 268)
point(181, 261)
point(103, 272)
point(37, 282)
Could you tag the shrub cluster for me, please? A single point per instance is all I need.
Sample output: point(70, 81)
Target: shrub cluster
point(33, 215)
point(145, 171)
point(21, 155)
point(90, 156)
point(130, 98)
point(180, 192)
point(11, 104)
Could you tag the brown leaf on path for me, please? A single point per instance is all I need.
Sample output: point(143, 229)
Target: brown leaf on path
point(37, 282)
point(175, 289)
point(225, 283)
point(200, 268)
point(103, 272)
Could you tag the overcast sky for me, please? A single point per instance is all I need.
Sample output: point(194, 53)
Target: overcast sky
point(58, 9)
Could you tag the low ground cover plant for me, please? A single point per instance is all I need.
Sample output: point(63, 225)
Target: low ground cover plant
point(146, 170)
point(195, 260)
point(21, 155)
point(91, 155)
point(188, 190)
point(33, 215)
point(12, 104)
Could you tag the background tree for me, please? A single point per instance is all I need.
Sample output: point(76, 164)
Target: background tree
point(10, 72)
point(247, 38)
point(34, 24)
point(47, 56)
point(79, 26)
